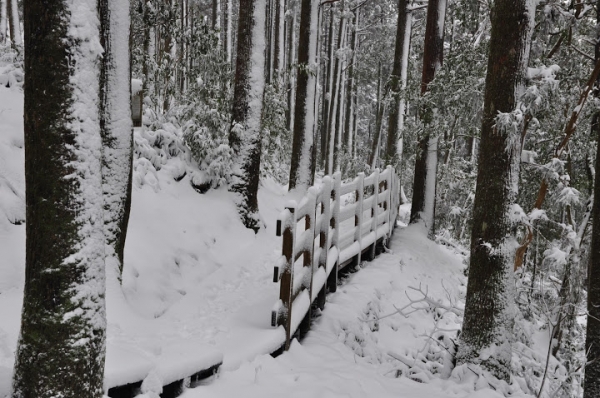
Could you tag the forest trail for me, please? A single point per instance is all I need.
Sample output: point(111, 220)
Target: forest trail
point(353, 346)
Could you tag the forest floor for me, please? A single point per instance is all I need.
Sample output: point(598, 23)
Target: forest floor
point(197, 282)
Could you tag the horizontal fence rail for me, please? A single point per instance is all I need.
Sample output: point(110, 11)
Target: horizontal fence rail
point(332, 226)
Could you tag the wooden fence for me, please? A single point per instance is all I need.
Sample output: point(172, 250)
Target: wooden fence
point(334, 225)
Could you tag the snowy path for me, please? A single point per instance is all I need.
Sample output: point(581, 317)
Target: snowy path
point(346, 353)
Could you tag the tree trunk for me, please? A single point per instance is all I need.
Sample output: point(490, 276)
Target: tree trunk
point(349, 115)
point(304, 118)
point(279, 37)
point(3, 18)
point(398, 81)
point(378, 120)
point(291, 40)
point(227, 13)
point(15, 25)
point(425, 181)
point(116, 128)
point(328, 83)
point(61, 347)
point(489, 315)
point(333, 158)
point(591, 384)
point(245, 132)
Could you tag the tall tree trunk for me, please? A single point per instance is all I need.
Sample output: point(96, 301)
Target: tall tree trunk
point(302, 147)
point(379, 109)
point(398, 81)
point(227, 32)
point(245, 132)
point(268, 41)
point(425, 181)
point(279, 37)
point(328, 83)
point(3, 19)
point(349, 114)
point(15, 24)
point(489, 315)
point(291, 41)
point(333, 158)
point(61, 348)
point(117, 130)
point(591, 385)
point(215, 14)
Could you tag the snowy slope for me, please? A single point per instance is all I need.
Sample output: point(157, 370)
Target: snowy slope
point(196, 284)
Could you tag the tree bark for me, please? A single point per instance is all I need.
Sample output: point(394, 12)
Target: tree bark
point(489, 314)
point(591, 383)
point(379, 109)
point(61, 348)
point(116, 129)
point(333, 158)
point(349, 114)
point(291, 39)
point(398, 81)
point(227, 15)
point(3, 19)
point(328, 82)
point(245, 132)
point(425, 179)
point(302, 146)
point(279, 37)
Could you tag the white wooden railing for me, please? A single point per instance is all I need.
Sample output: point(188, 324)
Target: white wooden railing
point(334, 225)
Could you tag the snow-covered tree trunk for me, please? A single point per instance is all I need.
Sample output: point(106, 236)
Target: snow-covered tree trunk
point(61, 346)
point(279, 37)
point(290, 61)
point(116, 128)
point(302, 146)
point(249, 86)
point(489, 315)
point(379, 109)
point(592, 342)
point(349, 114)
point(14, 23)
point(327, 86)
point(425, 181)
point(333, 155)
point(3, 11)
point(398, 81)
point(227, 32)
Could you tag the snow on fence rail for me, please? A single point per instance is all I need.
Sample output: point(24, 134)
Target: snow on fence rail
point(327, 235)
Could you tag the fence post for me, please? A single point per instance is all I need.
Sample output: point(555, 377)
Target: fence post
point(308, 256)
point(389, 200)
point(358, 214)
point(374, 207)
point(287, 277)
point(334, 223)
point(324, 232)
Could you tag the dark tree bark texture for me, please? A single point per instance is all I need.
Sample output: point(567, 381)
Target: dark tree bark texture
point(395, 85)
point(62, 341)
point(591, 384)
point(244, 136)
point(433, 55)
point(302, 145)
point(489, 319)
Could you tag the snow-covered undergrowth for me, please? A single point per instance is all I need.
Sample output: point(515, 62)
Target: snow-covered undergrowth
point(196, 283)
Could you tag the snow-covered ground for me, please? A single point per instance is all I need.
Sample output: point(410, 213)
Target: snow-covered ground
point(197, 289)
